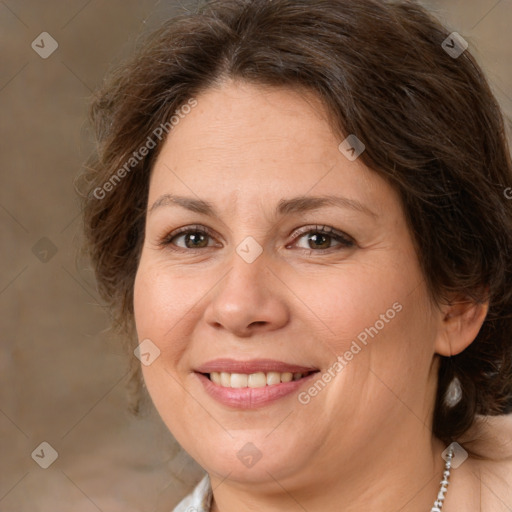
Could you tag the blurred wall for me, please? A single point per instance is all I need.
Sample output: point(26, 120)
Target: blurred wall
point(62, 378)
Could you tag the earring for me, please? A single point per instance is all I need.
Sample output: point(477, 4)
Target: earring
point(453, 393)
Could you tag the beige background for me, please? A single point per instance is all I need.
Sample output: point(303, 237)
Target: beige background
point(62, 377)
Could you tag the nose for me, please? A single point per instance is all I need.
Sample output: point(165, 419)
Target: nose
point(249, 299)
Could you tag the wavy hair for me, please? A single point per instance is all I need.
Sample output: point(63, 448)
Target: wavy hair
point(431, 126)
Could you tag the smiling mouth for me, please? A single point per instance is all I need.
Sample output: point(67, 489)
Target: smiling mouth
point(254, 380)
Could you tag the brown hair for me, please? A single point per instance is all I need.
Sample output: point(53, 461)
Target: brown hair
point(429, 121)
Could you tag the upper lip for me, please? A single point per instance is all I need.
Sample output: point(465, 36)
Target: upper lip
point(252, 366)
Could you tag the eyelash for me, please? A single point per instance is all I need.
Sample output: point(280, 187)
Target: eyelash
point(345, 241)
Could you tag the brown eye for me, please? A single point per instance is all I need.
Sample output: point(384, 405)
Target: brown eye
point(322, 238)
point(195, 239)
point(188, 238)
point(319, 241)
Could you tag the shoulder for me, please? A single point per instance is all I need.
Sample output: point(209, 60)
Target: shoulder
point(489, 444)
point(491, 437)
point(495, 481)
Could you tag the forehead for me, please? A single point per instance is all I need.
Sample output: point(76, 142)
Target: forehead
point(247, 141)
point(241, 119)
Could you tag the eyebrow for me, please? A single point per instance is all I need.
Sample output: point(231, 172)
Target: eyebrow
point(285, 206)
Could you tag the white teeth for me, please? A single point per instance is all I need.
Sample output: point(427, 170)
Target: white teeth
point(225, 379)
point(273, 378)
point(253, 380)
point(286, 377)
point(257, 380)
point(239, 380)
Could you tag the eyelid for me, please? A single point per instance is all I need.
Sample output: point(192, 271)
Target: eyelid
point(327, 230)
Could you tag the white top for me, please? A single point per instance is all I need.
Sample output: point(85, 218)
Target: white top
point(199, 500)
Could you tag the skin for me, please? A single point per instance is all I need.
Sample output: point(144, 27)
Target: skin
point(365, 440)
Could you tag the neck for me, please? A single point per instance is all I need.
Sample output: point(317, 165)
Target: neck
point(404, 476)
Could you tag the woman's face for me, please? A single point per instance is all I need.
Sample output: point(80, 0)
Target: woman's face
point(270, 282)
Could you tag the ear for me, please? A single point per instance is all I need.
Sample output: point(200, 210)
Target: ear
point(460, 322)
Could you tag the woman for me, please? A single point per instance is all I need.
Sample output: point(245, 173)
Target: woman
point(297, 213)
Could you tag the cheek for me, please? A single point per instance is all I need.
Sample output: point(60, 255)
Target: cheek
point(159, 308)
point(351, 303)
point(377, 320)
point(160, 305)
point(148, 302)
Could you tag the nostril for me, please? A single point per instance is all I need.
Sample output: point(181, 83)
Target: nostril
point(260, 322)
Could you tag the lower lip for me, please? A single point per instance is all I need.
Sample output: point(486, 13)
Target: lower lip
point(251, 398)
